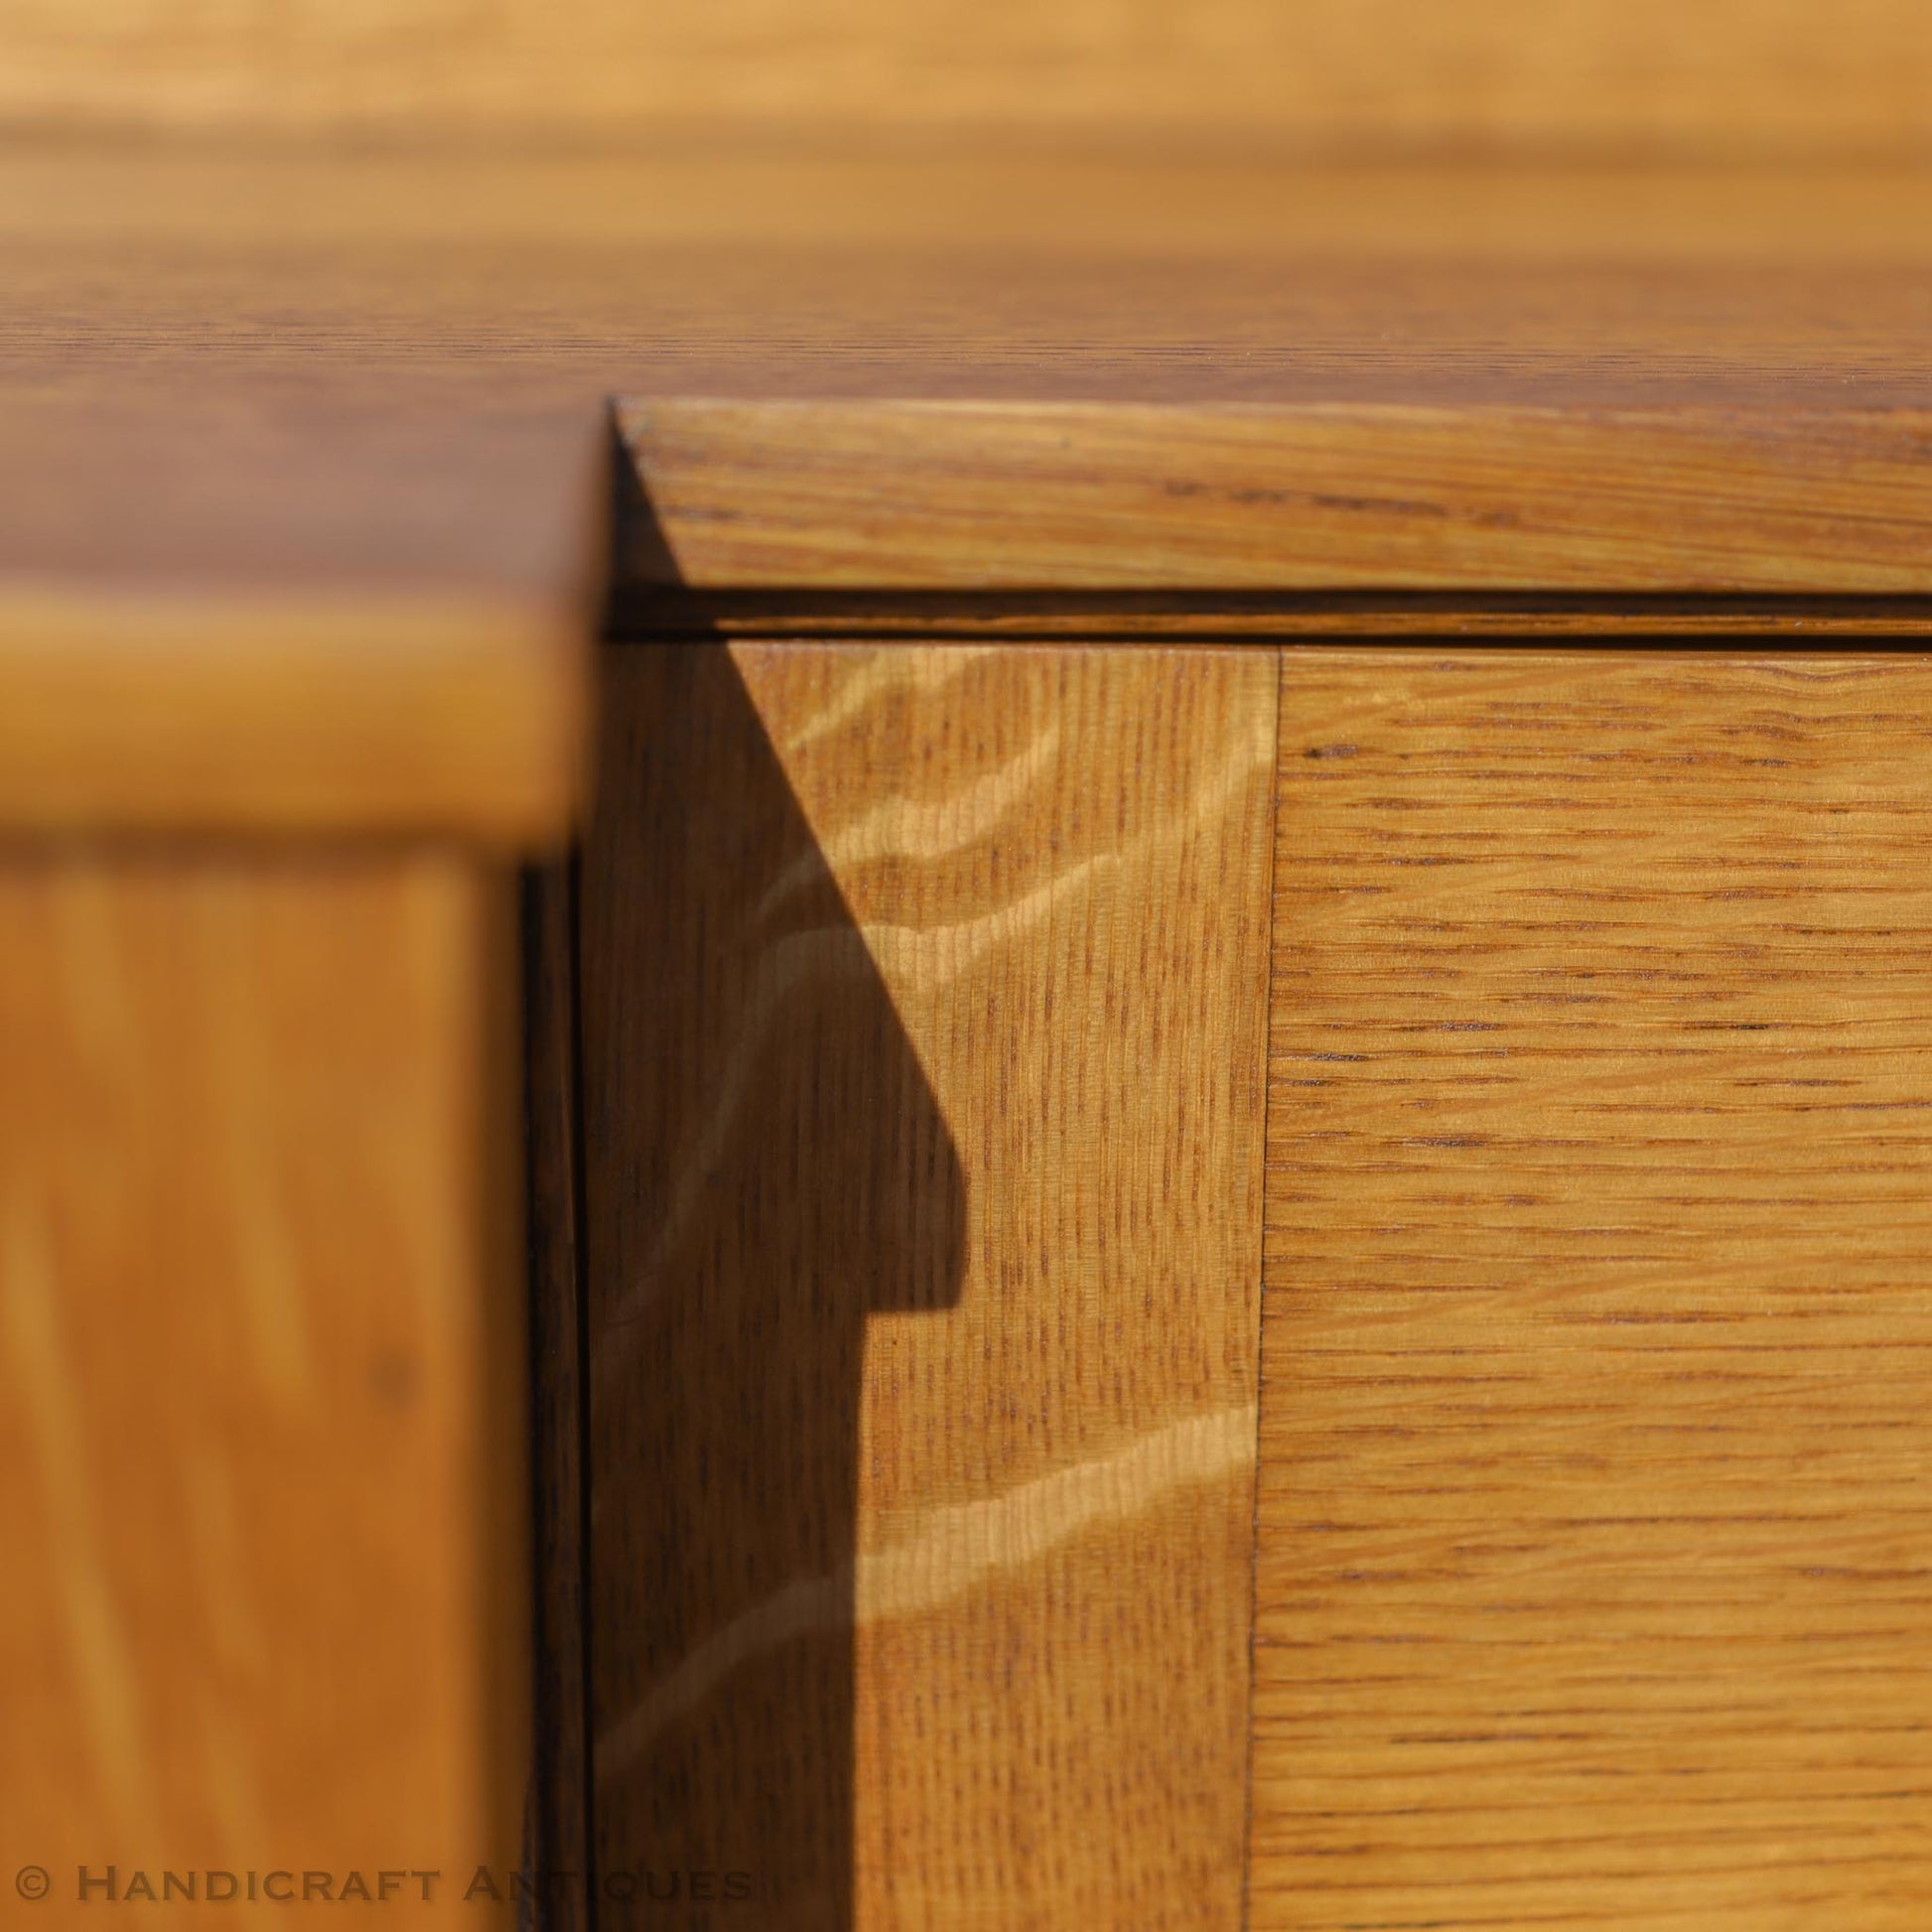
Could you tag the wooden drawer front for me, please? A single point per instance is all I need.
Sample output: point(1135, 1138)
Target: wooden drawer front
point(923, 1000)
point(1596, 1535)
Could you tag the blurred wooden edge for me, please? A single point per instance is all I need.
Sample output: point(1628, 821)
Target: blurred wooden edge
point(1797, 76)
point(177, 711)
point(936, 495)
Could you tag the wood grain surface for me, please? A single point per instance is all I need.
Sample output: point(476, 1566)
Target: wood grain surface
point(923, 1039)
point(304, 466)
point(1388, 497)
point(1796, 76)
point(370, 383)
point(260, 1447)
point(1593, 1575)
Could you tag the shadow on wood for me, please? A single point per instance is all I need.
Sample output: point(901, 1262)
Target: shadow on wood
point(766, 1165)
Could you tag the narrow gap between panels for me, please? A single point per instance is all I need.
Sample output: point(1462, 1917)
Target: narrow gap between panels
point(635, 616)
point(1261, 1286)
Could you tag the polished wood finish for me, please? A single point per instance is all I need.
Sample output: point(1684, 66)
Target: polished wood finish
point(260, 1343)
point(1593, 1522)
point(899, 1569)
point(172, 710)
point(304, 466)
point(1594, 76)
point(1453, 494)
point(923, 1022)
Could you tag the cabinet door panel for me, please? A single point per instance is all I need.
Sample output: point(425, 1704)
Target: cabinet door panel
point(1594, 1569)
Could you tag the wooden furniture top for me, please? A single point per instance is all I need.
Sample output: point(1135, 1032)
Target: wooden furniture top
point(1589, 77)
point(301, 513)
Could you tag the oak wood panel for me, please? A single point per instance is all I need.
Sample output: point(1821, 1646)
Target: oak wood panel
point(922, 1007)
point(261, 1449)
point(922, 496)
point(1595, 1564)
point(1795, 76)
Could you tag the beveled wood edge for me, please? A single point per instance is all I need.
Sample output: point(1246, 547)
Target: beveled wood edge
point(251, 700)
point(184, 711)
point(922, 496)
